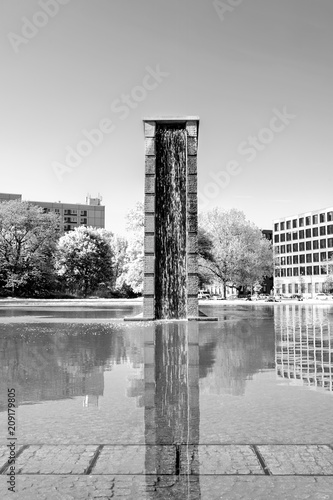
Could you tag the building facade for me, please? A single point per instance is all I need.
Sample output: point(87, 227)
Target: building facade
point(303, 244)
point(72, 215)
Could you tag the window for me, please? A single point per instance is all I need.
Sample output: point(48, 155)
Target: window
point(289, 271)
point(308, 220)
point(83, 220)
point(316, 257)
point(282, 226)
point(283, 288)
point(302, 259)
point(288, 248)
point(309, 270)
point(296, 272)
point(290, 287)
point(323, 270)
point(301, 247)
point(296, 285)
point(288, 224)
point(322, 243)
point(283, 248)
point(295, 247)
point(83, 213)
point(57, 211)
point(294, 222)
point(295, 235)
point(288, 236)
point(283, 237)
point(302, 271)
point(314, 231)
point(329, 216)
point(301, 234)
point(315, 219)
point(276, 226)
point(289, 260)
point(277, 249)
point(283, 261)
point(315, 245)
point(308, 233)
point(301, 222)
point(322, 217)
point(322, 230)
point(277, 261)
point(323, 255)
point(295, 259)
point(315, 269)
point(277, 273)
point(330, 242)
point(308, 258)
point(283, 273)
point(329, 255)
point(308, 245)
point(330, 229)
point(276, 238)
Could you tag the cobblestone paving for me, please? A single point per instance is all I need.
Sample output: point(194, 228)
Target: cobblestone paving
point(71, 487)
point(136, 460)
point(308, 460)
point(195, 472)
point(210, 459)
point(44, 459)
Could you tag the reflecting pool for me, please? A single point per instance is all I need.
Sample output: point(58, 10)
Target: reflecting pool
point(261, 375)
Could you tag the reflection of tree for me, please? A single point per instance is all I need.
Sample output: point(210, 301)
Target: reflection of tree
point(241, 349)
point(57, 361)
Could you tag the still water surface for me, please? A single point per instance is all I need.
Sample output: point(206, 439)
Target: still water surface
point(262, 374)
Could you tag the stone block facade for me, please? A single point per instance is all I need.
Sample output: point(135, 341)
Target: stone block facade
point(191, 125)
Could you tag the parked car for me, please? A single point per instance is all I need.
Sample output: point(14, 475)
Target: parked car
point(217, 297)
point(322, 296)
point(297, 296)
point(273, 298)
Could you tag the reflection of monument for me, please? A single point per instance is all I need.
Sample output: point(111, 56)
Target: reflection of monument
point(304, 346)
point(172, 406)
point(170, 262)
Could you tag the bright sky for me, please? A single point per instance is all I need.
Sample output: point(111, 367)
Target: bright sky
point(258, 73)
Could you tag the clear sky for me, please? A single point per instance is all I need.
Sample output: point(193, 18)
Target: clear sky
point(258, 73)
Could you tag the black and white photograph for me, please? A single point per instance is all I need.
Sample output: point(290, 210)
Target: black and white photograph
point(166, 250)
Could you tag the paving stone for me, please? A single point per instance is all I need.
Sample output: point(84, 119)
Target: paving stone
point(48, 459)
point(64, 487)
point(219, 459)
point(298, 459)
point(139, 459)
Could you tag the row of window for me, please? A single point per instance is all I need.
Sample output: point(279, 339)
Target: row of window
point(301, 247)
point(300, 288)
point(300, 271)
point(83, 213)
point(301, 259)
point(83, 220)
point(300, 235)
point(316, 219)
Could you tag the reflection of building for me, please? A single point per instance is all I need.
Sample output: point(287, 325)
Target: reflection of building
point(72, 215)
point(172, 405)
point(304, 346)
point(302, 244)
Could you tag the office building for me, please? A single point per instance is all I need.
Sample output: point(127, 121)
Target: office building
point(72, 215)
point(303, 244)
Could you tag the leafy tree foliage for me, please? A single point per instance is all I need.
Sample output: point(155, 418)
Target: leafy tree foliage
point(132, 270)
point(240, 254)
point(84, 259)
point(27, 241)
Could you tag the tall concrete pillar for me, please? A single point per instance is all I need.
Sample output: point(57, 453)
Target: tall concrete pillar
point(171, 222)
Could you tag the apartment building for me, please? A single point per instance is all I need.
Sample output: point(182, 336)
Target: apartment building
point(303, 244)
point(72, 215)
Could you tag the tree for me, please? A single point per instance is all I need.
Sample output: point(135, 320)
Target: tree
point(27, 241)
point(84, 259)
point(328, 282)
point(132, 275)
point(241, 255)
